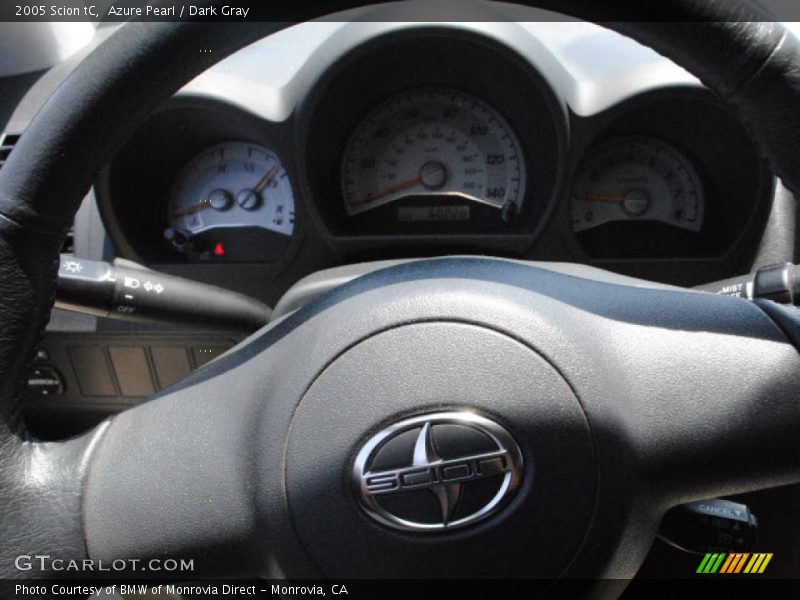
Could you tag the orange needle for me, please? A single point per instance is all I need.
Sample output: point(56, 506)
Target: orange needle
point(604, 197)
point(192, 209)
point(262, 183)
point(390, 190)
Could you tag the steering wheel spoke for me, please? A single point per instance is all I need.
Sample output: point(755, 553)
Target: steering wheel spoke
point(711, 411)
point(176, 476)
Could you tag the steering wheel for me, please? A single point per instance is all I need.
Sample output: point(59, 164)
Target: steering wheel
point(460, 417)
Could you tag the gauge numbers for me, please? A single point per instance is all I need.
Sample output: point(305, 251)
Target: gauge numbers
point(235, 184)
point(636, 178)
point(234, 198)
point(433, 143)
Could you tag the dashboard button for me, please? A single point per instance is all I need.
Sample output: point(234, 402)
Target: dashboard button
point(171, 364)
point(132, 371)
point(45, 381)
point(92, 371)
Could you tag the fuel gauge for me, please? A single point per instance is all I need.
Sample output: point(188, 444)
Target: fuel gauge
point(233, 202)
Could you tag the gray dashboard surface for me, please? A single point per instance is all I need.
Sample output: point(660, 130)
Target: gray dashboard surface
point(591, 67)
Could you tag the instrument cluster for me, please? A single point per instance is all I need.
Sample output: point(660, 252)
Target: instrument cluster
point(436, 142)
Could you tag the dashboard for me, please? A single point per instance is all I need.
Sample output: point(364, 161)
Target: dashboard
point(430, 140)
point(336, 142)
point(331, 143)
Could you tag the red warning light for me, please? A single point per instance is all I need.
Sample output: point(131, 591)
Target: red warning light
point(219, 249)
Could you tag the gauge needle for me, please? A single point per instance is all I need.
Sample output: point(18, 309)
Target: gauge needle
point(604, 198)
point(399, 187)
point(193, 208)
point(262, 183)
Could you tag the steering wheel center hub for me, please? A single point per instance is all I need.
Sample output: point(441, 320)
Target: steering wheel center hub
point(414, 474)
point(451, 447)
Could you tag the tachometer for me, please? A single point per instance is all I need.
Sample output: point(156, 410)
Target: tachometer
point(637, 178)
point(446, 150)
point(232, 202)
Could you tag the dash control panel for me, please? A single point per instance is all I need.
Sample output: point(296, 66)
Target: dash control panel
point(101, 374)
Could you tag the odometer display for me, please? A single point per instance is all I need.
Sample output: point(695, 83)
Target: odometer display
point(432, 213)
point(433, 146)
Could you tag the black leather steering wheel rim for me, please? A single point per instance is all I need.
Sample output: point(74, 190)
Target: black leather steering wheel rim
point(752, 63)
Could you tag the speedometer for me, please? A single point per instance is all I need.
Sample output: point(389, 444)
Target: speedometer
point(434, 155)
